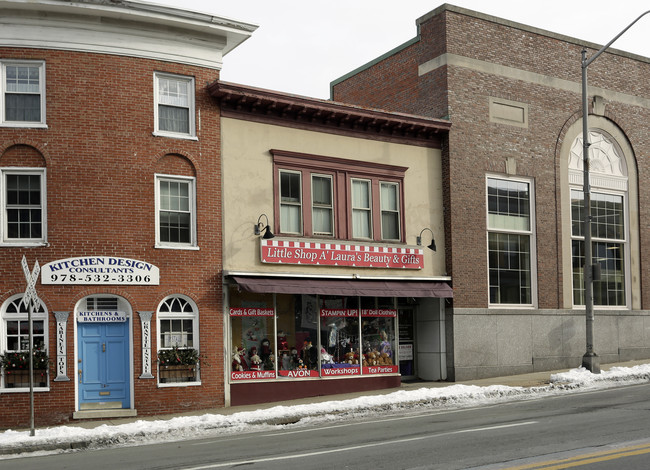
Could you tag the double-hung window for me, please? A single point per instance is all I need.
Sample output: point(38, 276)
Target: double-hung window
point(390, 211)
point(336, 198)
point(291, 202)
point(22, 93)
point(176, 212)
point(22, 198)
point(322, 205)
point(174, 105)
point(510, 244)
point(361, 209)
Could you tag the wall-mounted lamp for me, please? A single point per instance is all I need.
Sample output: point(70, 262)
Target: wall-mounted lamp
point(260, 226)
point(432, 245)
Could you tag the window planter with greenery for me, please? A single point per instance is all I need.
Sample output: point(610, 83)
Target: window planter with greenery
point(15, 366)
point(178, 365)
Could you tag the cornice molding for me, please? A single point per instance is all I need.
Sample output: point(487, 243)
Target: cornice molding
point(255, 104)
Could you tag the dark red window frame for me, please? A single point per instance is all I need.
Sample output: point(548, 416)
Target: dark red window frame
point(342, 172)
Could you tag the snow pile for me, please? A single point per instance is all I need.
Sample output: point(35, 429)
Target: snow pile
point(178, 428)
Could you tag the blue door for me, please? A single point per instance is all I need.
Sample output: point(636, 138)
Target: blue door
point(103, 374)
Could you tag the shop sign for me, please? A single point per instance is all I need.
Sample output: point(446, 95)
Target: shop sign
point(252, 374)
point(353, 312)
point(405, 352)
point(341, 369)
point(339, 312)
point(110, 316)
point(252, 312)
point(380, 370)
point(298, 373)
point(337, 254)
point(104, 270)
point(378, 312)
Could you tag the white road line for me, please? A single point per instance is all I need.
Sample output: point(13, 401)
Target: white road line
point(302, 455)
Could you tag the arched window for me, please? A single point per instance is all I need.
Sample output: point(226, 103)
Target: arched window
point(14, 343)
point(610, 222)
point(178, 340)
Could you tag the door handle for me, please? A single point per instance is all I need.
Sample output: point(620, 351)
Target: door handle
point(103, 347)
point(80, 371)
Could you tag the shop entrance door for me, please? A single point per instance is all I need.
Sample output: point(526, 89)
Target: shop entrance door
point(407, 364)
point(103, 367)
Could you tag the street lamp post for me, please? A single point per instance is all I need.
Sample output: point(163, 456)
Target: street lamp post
point(590, 360)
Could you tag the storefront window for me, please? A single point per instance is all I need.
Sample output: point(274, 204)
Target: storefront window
point(302, 336)
point(252, 327)
point(297, 335)
point(378, 336)
point(340, 335)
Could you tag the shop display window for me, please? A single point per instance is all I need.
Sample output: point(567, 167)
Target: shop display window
point(301, 336)
point(252, 327)
point(378, 337)
point(340, 335)
point(297, 335)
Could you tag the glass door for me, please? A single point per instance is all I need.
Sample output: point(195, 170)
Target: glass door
point(406, 322)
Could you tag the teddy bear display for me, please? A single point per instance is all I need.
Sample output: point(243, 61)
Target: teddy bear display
point(351, 357)
point(376, 358)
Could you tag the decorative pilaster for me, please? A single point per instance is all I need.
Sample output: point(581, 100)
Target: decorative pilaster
point(61, 347)
point(145, 320)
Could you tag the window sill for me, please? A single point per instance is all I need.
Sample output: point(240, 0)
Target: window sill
point(23, 244)
point(179, 384)
point(175, 136)
point(23, 389)
point(177, 247)
point(25, 125)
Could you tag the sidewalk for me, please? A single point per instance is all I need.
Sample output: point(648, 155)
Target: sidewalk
point(97, 433)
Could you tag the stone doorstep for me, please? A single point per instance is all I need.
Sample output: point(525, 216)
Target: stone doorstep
point(104, 413)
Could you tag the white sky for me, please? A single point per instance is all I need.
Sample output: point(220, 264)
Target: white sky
point(303, 45)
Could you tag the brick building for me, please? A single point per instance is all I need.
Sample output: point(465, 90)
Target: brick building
point(512, 165)
point(110, 179)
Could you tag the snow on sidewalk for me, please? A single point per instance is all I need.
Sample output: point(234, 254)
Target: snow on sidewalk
point(179, 428)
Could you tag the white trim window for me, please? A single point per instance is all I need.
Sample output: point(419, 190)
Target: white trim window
point(14, 341)
point(174, 106)
point(510, 222)
point(361, 209)
point(22, 203)
point(175, 212)
point(322, 216)
point(22, 93)
point(178, 334)
point(390, 215)
point(290, 202)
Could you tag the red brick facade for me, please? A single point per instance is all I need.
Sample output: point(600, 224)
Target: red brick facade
point(100, 157)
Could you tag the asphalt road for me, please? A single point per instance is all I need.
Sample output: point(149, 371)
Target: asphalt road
point(595, 430)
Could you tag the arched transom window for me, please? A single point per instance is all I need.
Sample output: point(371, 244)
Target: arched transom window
point(609, 231)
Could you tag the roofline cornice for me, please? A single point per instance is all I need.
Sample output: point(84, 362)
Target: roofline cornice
point(256, 104)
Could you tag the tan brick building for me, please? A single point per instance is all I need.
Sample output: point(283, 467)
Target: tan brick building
point(513, 186)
